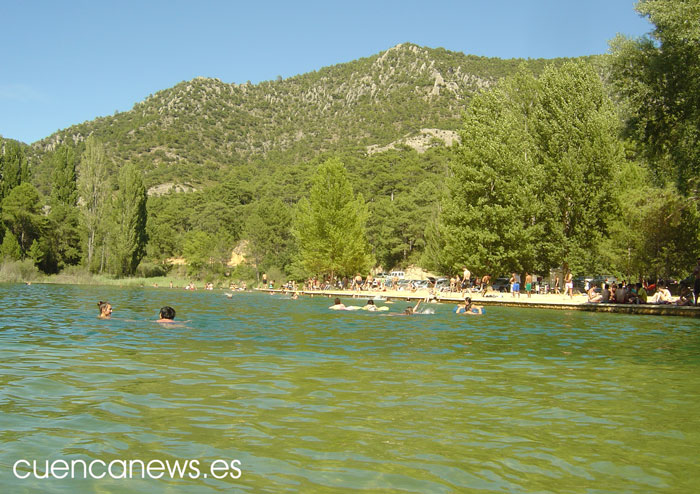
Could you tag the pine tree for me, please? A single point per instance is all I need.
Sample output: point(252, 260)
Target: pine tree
point(14, 168)
point(330, 225)
point(269, 234)
point(10, 250)
point(21, 214)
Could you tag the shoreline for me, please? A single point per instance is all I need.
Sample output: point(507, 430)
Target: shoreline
point(496, 299)
point(499, 299)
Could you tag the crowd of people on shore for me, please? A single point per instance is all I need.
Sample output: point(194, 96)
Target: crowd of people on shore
point(608, 291)
point(644, 292)
point(638, 293)
point(462, 283)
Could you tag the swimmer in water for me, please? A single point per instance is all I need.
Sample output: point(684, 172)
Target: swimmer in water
point(167, 314)
point(337, 305)
point(105, 310)
point(468, 308)
point(411, 310)
point(370, 305)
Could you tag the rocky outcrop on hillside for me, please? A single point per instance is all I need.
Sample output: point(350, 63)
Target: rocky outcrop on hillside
point(426, 139)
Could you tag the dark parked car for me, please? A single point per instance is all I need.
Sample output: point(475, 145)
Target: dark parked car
point(580, 283)
point(442, 284)
point(601, 280)
point(689, 282)
point(501, 284)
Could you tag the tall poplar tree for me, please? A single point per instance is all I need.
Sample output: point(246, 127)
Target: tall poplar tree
point(487, 218)
point(576, 131)
point(129, 237)
point(659, 77)
point(330, 225)
point(533, 180)
point(64, 217)
point(93, 189)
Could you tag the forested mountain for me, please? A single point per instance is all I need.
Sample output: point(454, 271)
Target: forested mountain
point(246, 154)
point(191, 133)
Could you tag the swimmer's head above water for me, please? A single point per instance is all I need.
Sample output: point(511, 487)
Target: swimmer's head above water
point(105, 310)
point(167, 314)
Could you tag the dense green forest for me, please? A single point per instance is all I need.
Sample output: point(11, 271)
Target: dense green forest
point(589, 163)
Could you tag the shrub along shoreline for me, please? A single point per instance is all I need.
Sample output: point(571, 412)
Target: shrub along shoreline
point(26, 272)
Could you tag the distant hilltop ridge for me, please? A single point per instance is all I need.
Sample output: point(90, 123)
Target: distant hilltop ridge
point(407, 95)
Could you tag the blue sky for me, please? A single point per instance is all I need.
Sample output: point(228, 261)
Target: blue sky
point(67, 62)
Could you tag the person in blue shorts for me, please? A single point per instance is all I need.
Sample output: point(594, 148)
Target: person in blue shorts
point(515, 284)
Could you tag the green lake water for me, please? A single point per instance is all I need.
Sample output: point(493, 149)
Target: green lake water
point(310, 400)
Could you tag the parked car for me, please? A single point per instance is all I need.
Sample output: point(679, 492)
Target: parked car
point(675, 287)
point(403, 284)
point(421, 284)
point(600, 280)
point(442, 284)
point(501, 284)
point(689, 282)
point(581, 282)
point(397, 274)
